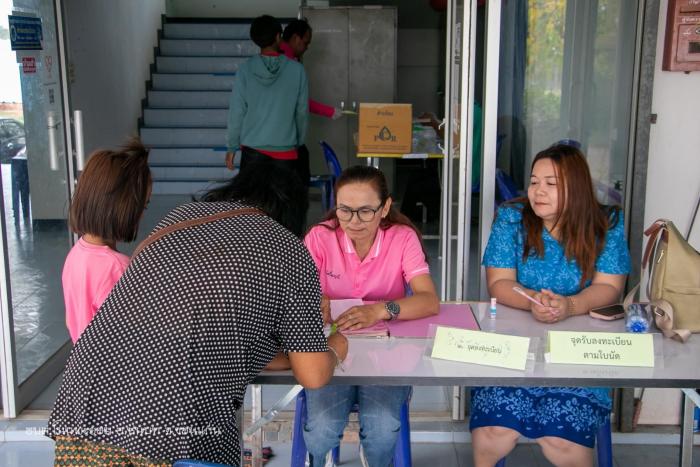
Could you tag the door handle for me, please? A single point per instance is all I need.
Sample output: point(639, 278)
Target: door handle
point(79, 146)
point(52, 125)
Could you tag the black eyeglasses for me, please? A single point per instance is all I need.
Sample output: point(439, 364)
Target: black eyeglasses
point(363, 214)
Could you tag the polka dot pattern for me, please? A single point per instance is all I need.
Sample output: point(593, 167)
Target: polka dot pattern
point(164, 365)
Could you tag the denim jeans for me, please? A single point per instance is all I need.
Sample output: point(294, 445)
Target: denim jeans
point(380, 420)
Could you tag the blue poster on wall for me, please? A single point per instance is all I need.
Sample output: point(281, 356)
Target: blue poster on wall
point(25, 32)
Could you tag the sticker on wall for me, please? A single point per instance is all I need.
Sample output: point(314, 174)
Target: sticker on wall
point(25, 32)
point(48, 63)
point(28, 64)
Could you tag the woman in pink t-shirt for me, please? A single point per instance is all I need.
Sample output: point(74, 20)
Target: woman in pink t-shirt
point(365, 249)
point(107, 206)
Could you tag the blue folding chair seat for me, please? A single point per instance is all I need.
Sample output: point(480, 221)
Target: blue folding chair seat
point(603, 441)
point(193, 463)
point(326, 182)
point(402, 451)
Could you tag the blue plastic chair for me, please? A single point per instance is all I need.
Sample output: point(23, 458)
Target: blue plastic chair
point(505, 187)
point(570, 142)
point(476, 185)
point(402, 452)
point(326, 182)
point(193, 463)
point(603, 441)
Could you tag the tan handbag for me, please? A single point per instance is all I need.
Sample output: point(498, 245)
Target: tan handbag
point(674, 281)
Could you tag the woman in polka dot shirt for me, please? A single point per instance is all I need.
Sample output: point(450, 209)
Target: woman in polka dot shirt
point(161, 370)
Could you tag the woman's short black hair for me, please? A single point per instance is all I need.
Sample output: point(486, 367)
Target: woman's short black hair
point(264, 30)
point(273, 189)
point(297, 27)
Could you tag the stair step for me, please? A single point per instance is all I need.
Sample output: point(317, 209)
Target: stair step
point(198, 64)
point(183, 187)
point(183, 137)
point(206, 31)
point(208, 48)
point(191, 173)
point(184, 121)
point(189, 99)
point(189, 156)
point(192, 82)
point(185, 118)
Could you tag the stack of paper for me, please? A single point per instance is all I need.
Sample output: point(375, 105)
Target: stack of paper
point(458, 315)
point(338, 307)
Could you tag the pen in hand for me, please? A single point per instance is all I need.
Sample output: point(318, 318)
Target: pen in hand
point(552, 311)
point(522, 292)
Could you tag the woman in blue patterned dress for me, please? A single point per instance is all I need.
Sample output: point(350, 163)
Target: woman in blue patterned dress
point(568, 251)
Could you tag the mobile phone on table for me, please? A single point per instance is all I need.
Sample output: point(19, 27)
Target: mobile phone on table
point(608, 312)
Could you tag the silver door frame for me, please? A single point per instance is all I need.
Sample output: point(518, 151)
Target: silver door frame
point(490, 133)
point(465, 154)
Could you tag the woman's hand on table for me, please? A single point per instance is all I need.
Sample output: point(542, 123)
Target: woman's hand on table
point(362, 316)
point(555, 309)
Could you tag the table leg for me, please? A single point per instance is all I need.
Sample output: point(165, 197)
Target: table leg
point(240, 415)
point(458, 402)
point(256, 412)
point(686, 455)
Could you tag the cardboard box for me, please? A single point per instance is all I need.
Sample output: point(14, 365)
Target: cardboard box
point(385, 128)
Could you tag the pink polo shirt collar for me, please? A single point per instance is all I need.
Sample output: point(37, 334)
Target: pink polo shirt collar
point(350, 248)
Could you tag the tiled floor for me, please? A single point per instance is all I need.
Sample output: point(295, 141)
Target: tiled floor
point(40, 454)
point(36, 255)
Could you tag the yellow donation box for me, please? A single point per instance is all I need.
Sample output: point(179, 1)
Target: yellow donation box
point(385, 128)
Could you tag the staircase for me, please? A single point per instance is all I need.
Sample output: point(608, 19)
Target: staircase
point(186, 107)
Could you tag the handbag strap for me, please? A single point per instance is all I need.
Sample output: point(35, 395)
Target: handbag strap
point(154, 237)
point(653, 233)
point(663, 316)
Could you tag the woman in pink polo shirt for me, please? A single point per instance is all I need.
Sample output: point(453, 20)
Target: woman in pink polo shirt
point(365, 249)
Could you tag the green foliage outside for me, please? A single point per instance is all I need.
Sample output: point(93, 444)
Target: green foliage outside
point(545, 54)
point(604, 69)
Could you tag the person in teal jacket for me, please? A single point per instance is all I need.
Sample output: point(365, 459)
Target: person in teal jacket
point(268, 110)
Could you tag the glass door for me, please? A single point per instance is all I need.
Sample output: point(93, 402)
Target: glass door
point(552, 71)
point(456, 163)
point(574, 81)
point(36, 180)
point(459, 175)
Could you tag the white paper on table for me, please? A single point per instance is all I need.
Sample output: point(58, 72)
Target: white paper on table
point(338, 307)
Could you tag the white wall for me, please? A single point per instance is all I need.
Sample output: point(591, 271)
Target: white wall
point(110, 47)
point(673, 182)
point(233, 9)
